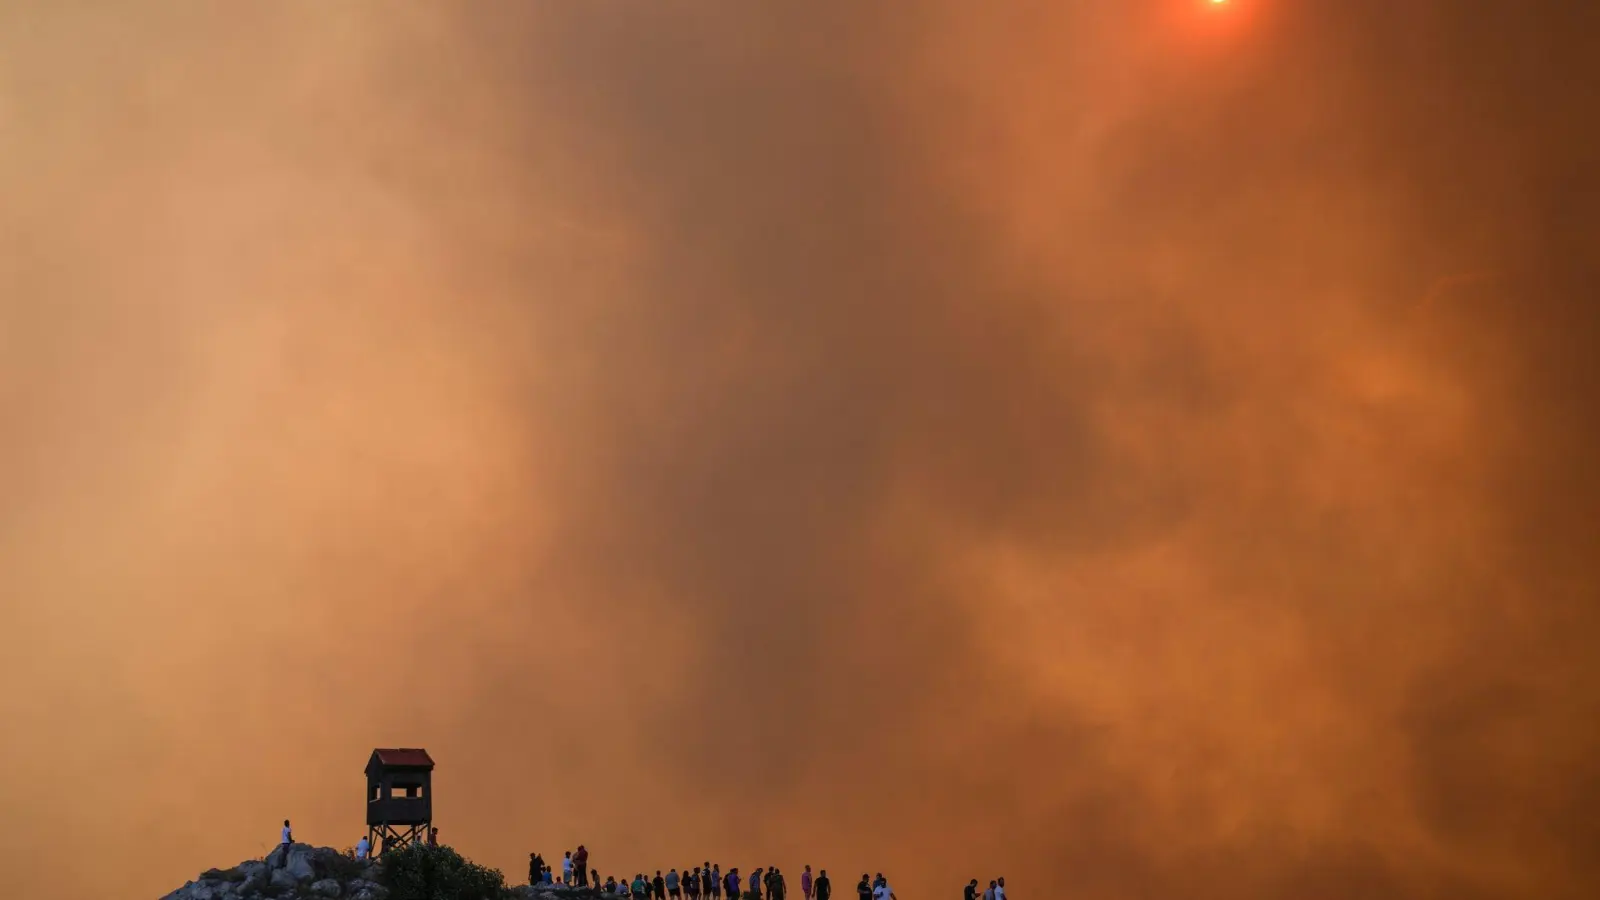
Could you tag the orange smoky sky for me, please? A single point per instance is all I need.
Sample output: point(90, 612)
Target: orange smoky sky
point(1141, 449)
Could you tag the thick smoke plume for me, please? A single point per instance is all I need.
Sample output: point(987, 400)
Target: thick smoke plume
point(1140, 449)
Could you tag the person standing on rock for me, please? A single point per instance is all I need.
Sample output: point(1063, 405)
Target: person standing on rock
point(805, 884)
point(823, 887)
point(673, 889)
point(989, 894)
point(713, 881)
point(433, 837)
point(659, 886)
point(285, 841)
point(779, 888)
point(1000, 889)
point(971, 891)
point(363, 848)
point(580, 865)
point(732, 885)
point(864, 888)
point(566, 868)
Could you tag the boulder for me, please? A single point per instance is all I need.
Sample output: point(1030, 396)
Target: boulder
point(303, 863)
point(251, 868)
point(282, 878)
point(326, 857)
point(327, 887)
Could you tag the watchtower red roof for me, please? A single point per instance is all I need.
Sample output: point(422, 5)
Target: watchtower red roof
point(404, 756)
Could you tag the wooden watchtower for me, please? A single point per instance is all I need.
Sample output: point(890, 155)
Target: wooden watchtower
point(399, 798)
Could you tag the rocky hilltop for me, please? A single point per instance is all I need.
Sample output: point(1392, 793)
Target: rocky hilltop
point(309, 872)
point(323, 873)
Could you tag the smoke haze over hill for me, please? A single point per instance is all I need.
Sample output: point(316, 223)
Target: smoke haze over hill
point(1138, 449)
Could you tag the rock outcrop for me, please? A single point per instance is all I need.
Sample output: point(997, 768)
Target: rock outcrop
point(309, 873)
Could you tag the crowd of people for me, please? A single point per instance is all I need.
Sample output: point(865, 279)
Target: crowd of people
point(706, 881)
point(709, 881)
point(996, 891)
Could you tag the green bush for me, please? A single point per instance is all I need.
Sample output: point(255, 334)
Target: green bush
point(419, 872)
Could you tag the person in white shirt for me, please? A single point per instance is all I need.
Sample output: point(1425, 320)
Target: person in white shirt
point(363, 848)
point(285, 841)
point(566, 868)
point(882, 891)
point(1000, 889)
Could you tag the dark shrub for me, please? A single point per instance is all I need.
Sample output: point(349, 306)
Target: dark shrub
point(343, 866)
point(438, 873)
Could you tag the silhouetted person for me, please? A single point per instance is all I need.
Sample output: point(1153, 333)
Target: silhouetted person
point(580, 865)
point(779, 888)
point(823, 887)
point(732, 885)
point(970, 892)
point(660, 886)
point(805, 884)
point(989, 894)
point(285, 841)
point(864, 889)
point(433, 837)
point(713, 880)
